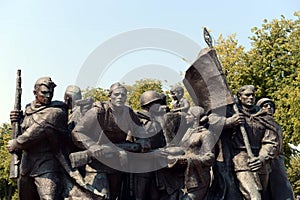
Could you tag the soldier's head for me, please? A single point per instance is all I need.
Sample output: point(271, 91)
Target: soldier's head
point(196, 115)
point(246, 96)
point(177, 92)
point(44, 90)
point(72, 94)
point(267, 105)
point(152, 101)
point(117, 94)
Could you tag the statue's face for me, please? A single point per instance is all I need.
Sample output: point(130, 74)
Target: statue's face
point(44, 95)
point(176, 95)
point(247, 98)
point(118, 97)
point(189, 118)
point(268, 107)
point(157, 109)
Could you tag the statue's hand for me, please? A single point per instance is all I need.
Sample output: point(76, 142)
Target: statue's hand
point(235, 120)
point(255, 164)
point(11, 146)
point(15, 115)
point(95, 151)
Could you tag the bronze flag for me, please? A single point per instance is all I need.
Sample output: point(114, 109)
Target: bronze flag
point(206, 82)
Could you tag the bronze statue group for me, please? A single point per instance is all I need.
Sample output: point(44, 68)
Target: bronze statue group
point(76, 149)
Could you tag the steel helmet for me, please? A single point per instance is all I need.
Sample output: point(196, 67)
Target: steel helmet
point(265, 100)
point(149, 97)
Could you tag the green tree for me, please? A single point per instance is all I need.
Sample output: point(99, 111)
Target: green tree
point(294, 174)
point(232, 57)
point(274, 57)
point(288, 112)
point(8, 187)
point(137, 89)
point(99, 94)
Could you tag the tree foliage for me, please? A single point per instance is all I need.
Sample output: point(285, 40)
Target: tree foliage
point(99, 94)
point(7, 186)
point(274, 56)
point(138, 88)
point(294, 173)
point(232, 56)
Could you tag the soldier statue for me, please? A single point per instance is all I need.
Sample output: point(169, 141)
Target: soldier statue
point(251, 175)
point(279, 185)
point(103, 126)
point(44, 126)
point(262, 134)
point(152, 104)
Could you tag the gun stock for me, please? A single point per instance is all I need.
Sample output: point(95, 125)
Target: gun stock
point(81, 158)
point(16, 130)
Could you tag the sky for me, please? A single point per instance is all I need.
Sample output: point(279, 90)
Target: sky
point(96, 43)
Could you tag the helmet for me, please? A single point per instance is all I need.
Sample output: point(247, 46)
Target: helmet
point(74, 92)
point(149, 97)
point(263, 101)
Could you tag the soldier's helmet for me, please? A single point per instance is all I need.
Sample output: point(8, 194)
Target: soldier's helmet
point(149, 97)
point(262, 101)
point(74, 92)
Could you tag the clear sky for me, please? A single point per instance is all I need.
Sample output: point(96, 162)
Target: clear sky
point(58, 38)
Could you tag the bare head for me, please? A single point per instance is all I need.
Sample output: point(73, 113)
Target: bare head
point(246, 96)
point(44, 90)
point(117, 95)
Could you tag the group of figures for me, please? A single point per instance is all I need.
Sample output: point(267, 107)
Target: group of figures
point(81, 149)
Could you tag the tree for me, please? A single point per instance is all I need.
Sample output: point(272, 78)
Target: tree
point(274, 56)
point(232, 56)
point(8, 187)
point(137, 89)
point(288, 112)
point(99, 94)
point(294, 173)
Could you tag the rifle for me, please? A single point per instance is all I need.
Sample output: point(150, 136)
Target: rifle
point(81, 158)
point(16, 130)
